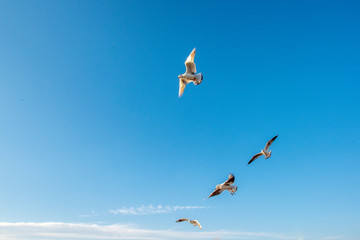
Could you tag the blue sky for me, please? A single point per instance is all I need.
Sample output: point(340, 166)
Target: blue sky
point(95, 142)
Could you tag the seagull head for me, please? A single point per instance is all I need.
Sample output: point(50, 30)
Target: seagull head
point(180, 76)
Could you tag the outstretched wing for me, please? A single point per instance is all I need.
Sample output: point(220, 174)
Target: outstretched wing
point(270, 142)
point(182, 85)
point(230, 180)
point(197, 223)
point(255, 157)
point(216, 192)
point(182, 220)
point(189, 63)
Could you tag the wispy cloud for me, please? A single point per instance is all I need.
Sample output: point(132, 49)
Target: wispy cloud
point(91, 214)
point(331, 238)
point(149, 210)
point(75, 231)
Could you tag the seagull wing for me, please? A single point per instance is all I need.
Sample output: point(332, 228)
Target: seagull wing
point(255, 157)
point(182, 220)
point(230, 180)
point(196, 223)
point(270, 142)
point(182, 85)
point(216, 192)
point(189, 63)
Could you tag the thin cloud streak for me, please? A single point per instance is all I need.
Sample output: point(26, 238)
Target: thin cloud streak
point(74, 231)
point(91, 214)
point(331, 238)
point(150, 210)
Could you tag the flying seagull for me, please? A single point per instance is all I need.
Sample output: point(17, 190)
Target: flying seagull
point(193, 222)
point(189, 75)
point(264, 151)
point(225, 186)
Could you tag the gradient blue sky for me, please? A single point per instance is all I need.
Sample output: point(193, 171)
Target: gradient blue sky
point(94, 137)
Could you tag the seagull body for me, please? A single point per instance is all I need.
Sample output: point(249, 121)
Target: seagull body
point(190, 74)
point(264, 151)
point(227, 185)
point(193, 222)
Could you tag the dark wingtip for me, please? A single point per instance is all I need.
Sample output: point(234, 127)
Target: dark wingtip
point(273, 139)
point(233, 176)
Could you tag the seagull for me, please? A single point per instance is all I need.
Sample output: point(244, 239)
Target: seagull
point(189, 75)
point(225, 186)
point(193, 222)
point(264, 151)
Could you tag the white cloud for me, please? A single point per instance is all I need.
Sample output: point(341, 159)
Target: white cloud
point(149, 210)
point(331, 238)
point(75, 231)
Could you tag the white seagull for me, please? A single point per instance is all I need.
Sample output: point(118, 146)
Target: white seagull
point(225, 186)
point(264, 151)
point(189, 75)
point(193, 222)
